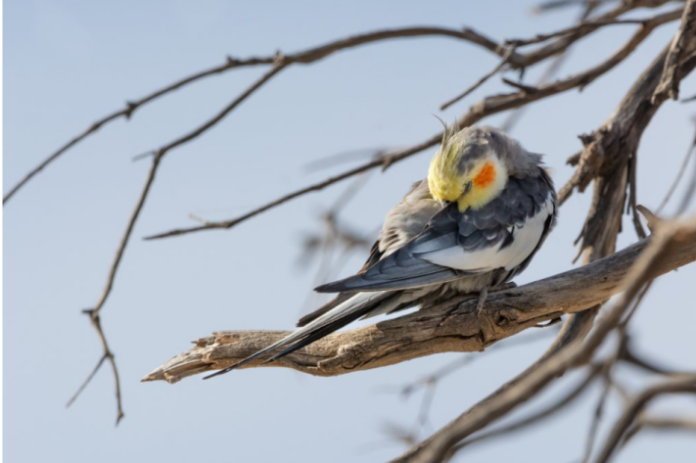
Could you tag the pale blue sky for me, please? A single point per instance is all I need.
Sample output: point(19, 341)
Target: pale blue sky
point(70, 62)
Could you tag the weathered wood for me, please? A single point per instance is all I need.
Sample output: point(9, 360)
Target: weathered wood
point(448, 327)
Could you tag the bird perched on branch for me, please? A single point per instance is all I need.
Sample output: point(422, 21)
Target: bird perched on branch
point(476, 221)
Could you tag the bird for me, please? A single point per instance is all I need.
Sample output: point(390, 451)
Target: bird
point(477, 220)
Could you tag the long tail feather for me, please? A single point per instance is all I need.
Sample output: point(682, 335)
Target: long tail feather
point(336, 318)
point(310, 317)
point(361, 282)
point(320, 333)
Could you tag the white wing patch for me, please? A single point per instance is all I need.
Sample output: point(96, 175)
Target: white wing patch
point(525, 240)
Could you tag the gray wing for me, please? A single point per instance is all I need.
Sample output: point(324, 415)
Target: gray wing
point(406, 267)
point(455, 244)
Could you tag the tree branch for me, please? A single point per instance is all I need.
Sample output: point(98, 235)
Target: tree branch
point(487, 107)
point(94, 314)
point(303, 57)
point(547, 411)
point(149, 181)
point(482, 80)
point(452, 326)
point(683, 383)
point(320, 52)
point(609, 157)
point(683, 44)
point(647, 422)
point(665, 244)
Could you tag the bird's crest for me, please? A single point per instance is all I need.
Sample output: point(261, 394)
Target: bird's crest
point(444, 177)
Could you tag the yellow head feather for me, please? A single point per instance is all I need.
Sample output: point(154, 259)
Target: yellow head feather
point(444, 180)
point(472, 189)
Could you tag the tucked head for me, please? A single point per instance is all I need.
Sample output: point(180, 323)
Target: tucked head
point(472, 166)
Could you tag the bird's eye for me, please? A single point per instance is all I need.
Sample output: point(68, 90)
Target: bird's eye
point(467, 186)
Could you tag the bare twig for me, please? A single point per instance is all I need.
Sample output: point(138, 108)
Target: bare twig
point(487, 107)
point(593, 25)
point(94, 313)
point(690, 189)
point(303, 57)
point(524, 88)
point(281, 63)
point(540, 415)
point(629, 357)
point(562, 43)
point(344, 157)
point(607, 373)
point(558, 4)
point(680, 175)
point(107, 355)
point(682, 45)
point(430, 381)
point(317, 53)
point(682, 384)
point(632, 202)
point(381, 162)
point(659, 423)
point(550, 72)
point(482, 80)
point(599, 410)
point(86, 381)
point(156, 159)
point(552, 69)
point(453, 366)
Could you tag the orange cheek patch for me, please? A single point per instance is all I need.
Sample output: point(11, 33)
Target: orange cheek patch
point(486, 176)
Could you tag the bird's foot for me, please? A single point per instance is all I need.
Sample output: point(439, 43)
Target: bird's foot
point(482, 296)
point(503, 287)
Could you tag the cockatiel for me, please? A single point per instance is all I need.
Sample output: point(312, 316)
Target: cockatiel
point(484, 210)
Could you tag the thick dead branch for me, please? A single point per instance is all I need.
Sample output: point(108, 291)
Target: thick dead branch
point(619, 136)
point(603, 223)
point(667, 241)
point(600, 244)
point(609, 158)
point(434, 330)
